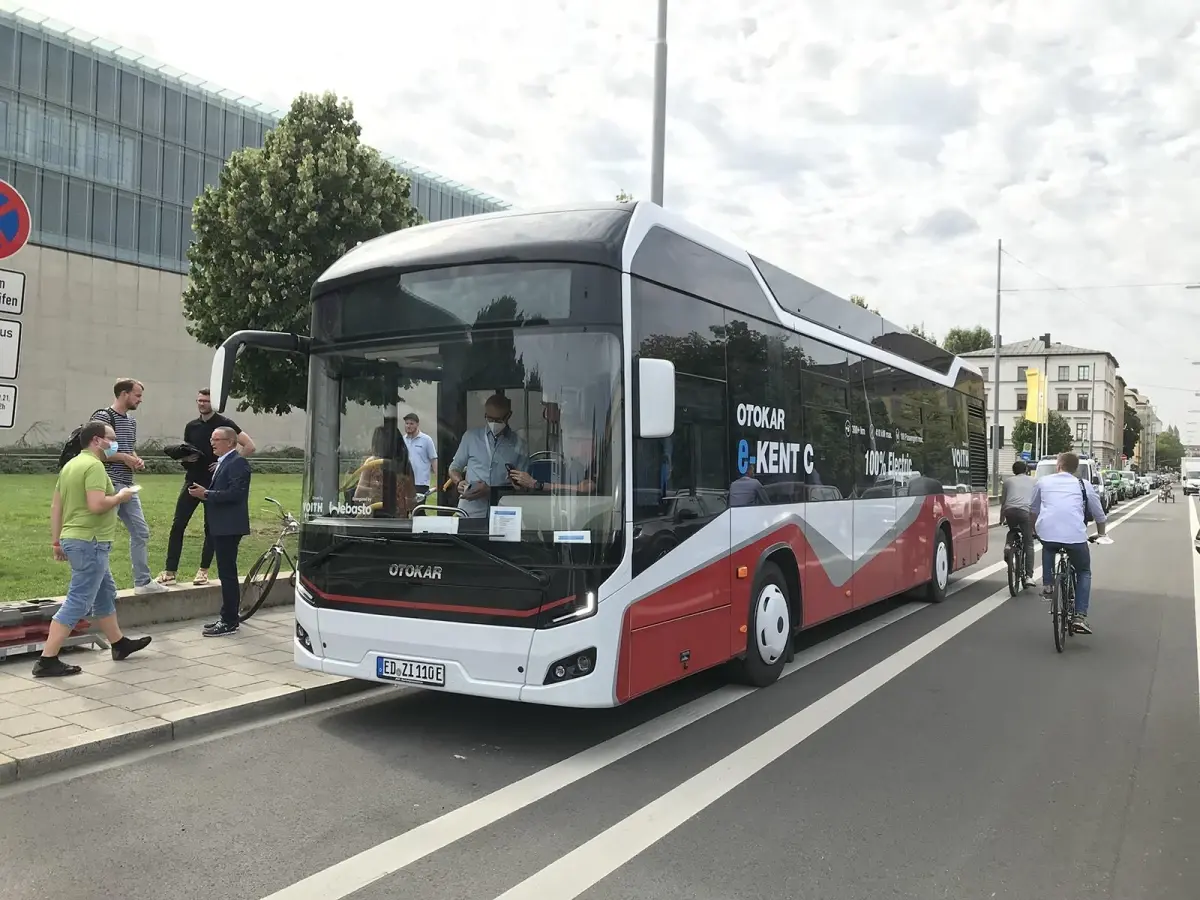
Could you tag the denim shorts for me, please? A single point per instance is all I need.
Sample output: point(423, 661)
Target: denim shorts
point(92, 591)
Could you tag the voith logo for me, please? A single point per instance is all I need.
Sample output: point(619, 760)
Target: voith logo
point(960, 457)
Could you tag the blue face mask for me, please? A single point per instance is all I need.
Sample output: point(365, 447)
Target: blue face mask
point(111, 449)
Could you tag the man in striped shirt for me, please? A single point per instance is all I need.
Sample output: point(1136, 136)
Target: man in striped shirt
point(127, 394)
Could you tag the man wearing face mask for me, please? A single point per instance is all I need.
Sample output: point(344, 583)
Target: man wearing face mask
point(483, 458)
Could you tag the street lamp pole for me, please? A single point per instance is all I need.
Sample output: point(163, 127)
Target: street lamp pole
point(659, 139)
point(996, 381)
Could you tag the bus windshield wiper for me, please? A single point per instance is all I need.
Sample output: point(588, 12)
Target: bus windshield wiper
point(340, 542)
point(443, 538)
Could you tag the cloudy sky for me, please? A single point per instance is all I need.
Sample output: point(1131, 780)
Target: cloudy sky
point(878, 147)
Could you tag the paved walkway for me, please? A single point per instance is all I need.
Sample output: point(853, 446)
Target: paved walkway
point(180, 679)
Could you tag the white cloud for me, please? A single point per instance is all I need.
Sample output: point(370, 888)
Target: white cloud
point(872, 147)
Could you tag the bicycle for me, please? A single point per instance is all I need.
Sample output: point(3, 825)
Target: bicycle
point(1062, 603)
point(1014, 555)
point(257, 586)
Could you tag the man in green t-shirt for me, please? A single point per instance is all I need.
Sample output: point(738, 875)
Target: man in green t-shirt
point(83, 523)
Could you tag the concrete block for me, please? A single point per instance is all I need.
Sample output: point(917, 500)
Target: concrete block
point(32, 723)
point(225, 713)
point(8, 769)
point(105, 717)
point(40, 759)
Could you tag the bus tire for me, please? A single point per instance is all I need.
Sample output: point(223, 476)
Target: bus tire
point(768, 629)
point(939, 569)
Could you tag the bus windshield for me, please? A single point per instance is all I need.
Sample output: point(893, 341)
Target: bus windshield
point(533, 414)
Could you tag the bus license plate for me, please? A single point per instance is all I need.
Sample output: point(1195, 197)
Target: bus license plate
point(411, 671)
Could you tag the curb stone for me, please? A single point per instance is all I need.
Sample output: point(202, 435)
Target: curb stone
point(104, 743)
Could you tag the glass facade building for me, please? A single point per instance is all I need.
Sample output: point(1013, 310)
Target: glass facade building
point(110, 148)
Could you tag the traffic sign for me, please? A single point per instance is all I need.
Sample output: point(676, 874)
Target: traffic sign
point(12, 292)
point(15, 223)
point(10, 347)
point(8, 405)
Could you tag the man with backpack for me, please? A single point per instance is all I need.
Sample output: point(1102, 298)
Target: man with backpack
point(127, 396)
point(83, 521)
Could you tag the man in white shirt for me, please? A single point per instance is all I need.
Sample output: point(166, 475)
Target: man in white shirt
point(422, 453)
point(1060, 507)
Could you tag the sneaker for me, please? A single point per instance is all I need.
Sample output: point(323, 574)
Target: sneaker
point(127, 646)
point(151, 587)
point(1047, 592)
point(220, 629)
point(1079, 625)
point(53, 667)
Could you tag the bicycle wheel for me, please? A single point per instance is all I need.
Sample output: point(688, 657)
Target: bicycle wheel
point(257, 586)
point(1058, 615)
point(1016, 568)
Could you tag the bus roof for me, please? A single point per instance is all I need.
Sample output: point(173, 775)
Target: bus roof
point(646, 240)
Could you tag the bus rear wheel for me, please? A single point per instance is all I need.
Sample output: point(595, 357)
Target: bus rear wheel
point(768, 629)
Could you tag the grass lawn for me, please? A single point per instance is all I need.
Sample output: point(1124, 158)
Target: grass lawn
point(27, 566)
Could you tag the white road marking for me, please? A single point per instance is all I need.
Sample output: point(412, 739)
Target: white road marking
point(370, 865)
point(582, 868)
point(362, 869)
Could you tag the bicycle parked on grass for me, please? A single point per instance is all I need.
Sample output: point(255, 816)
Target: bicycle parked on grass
point(257, 586)
point(1062, 603)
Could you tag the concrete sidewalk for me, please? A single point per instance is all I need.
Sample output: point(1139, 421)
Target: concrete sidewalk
point(181, 685)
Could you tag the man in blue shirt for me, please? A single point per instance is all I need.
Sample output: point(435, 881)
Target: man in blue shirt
point(1060, 507)
point(484, 456)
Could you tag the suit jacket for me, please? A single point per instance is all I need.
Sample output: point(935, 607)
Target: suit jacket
point(227, 503)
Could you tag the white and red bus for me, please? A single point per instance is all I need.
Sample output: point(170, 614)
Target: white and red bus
point(719, 454)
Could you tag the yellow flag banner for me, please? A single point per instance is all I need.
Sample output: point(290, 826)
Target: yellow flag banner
point(1034, 408)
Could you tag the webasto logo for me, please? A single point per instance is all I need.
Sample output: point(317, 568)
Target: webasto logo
point(771, 457)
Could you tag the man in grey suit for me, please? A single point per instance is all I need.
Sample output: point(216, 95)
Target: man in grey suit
point(227, 521)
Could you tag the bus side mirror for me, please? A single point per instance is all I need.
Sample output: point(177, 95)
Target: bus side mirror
point(656, 398)
point(221, 375)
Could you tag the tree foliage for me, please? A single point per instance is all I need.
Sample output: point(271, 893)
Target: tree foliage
point(280, 215)
point(1058, 435)
point(919, 331)
point(967, 340)
point(1168, 449)
point(623, 196)
point(1133, 431)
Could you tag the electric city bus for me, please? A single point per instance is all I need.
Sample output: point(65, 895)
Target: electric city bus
point(656, 454)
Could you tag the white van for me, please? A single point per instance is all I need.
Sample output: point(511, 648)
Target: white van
point(1189, 475)
point(1088, 470)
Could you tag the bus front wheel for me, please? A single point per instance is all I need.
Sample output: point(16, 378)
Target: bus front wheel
point(768, 629)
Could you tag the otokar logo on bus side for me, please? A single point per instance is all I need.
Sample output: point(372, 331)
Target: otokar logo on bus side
point(771, 457)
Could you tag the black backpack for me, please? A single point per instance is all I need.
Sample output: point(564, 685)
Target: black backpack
point(72, 447)
point(1087, 513)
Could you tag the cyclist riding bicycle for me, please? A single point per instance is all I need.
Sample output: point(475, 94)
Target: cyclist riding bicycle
point(1016, 499)
point(1062, 504)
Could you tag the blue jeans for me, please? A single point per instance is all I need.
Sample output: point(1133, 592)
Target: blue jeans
point(92, 590)
point(1081, 559)
point(131, 516)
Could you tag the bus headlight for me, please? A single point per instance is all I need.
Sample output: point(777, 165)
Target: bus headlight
point(581, 606)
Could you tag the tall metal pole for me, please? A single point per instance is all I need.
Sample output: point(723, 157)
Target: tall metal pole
point(659, 141)
point(996, 382)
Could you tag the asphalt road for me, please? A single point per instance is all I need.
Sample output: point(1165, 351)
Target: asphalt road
point(912, 752)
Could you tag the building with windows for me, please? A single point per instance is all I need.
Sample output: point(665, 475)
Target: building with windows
point(1082, 388)
point(109, 149)
point(1145, 452)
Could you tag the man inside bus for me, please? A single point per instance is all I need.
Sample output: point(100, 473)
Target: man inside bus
point(484, 457)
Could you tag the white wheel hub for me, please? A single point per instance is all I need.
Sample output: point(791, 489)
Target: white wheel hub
point(772, 623)
point(941, 565)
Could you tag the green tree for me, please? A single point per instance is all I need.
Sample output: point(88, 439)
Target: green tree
point(860, 300)
point(280, 215)
point(623, 196)
point(1168, 449)
point(919, 331)
point(966, 340)
point(1133, 431)
point(1058, 437)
